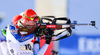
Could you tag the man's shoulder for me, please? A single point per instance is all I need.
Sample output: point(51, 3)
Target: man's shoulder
point(11, 27)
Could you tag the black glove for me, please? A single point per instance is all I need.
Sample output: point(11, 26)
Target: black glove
point(39, 32)
point(48, 31)
point(48, 39)
point(48, 34)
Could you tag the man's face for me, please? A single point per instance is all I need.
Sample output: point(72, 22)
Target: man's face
point(29, 26)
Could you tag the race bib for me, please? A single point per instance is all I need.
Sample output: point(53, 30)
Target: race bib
point(28, 47)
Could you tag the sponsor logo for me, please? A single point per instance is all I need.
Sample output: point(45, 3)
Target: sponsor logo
point(25, 38)
point(51, 26)
point(33, 16)
point(65, 26)
point(89, 45)
point(24, 53)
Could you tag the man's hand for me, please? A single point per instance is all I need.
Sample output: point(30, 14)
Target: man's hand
point(48, 31)
point(48, 39)
point(48, 34)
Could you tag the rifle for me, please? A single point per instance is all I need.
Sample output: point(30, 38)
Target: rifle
point(61, 26)
point(57, 26)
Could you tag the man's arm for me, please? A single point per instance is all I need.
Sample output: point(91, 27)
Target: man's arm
point(36, 45)
point(42, 50)
point(39, 51)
